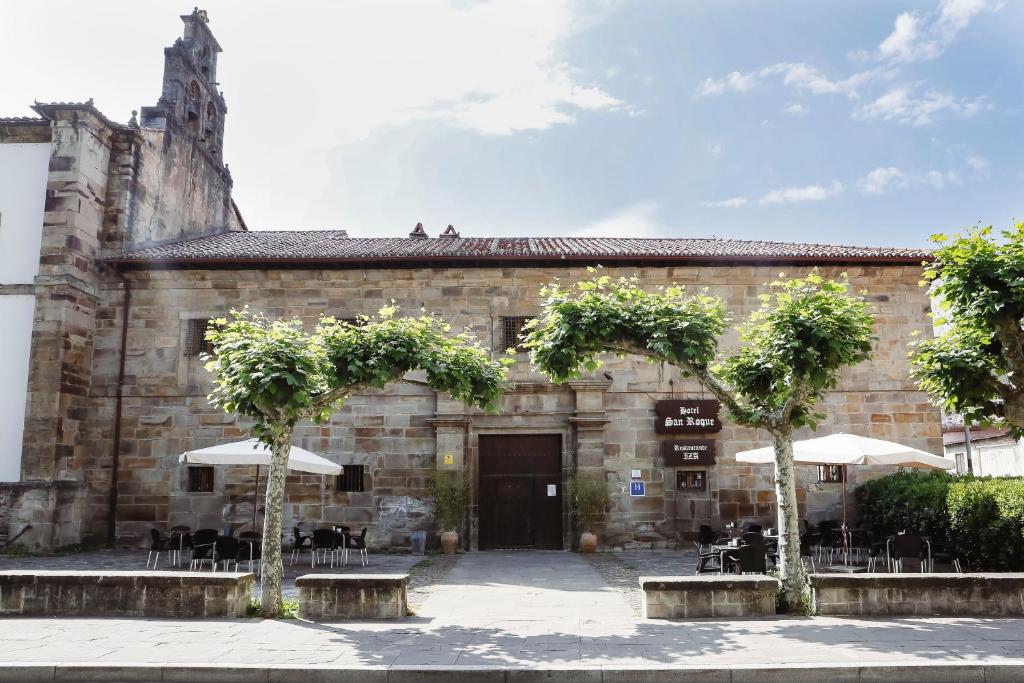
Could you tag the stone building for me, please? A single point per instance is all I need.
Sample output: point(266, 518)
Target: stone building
point(140, 245)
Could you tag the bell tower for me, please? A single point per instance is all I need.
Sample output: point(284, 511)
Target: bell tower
point(190, 102)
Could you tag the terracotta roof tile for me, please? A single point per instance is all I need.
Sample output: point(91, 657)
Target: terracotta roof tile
point(334, 246)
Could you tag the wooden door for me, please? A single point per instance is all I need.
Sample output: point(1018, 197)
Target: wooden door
point(521, 491)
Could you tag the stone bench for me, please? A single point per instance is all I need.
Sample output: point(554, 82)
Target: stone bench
point(124, 594)
point(983, 595)
point(686, 597)
point(353, 596)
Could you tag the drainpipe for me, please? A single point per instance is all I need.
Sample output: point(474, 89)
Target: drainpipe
point(116, 454)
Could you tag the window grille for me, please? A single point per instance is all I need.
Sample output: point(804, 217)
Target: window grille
point(512, 330)
point(351, 479)
point(200, 479)
point(691, 480)
point(195, 337)
point(830, 474)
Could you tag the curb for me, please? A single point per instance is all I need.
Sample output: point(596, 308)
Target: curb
point(927, 672)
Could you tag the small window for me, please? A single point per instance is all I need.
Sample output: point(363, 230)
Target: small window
point(195, 337)
point(691, 480)
point(830, 474)
point(512, 330)
point(351, 479)
point(200, 479)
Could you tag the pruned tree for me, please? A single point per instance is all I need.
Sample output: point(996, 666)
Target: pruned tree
point(975, 366)
point(793, 349)
point(277, 374)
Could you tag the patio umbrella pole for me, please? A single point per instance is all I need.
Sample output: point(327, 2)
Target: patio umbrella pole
point(846, 536)
point(256, 498)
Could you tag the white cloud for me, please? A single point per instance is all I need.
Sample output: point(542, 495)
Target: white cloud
point(917, 37)
point(730, 203)
point(807, 193)
point(797, 75)
point(981, 167)
point(935, 179)
point(796, 109)
point(904, 105)
point(635, 220)
point(714, 149)
point(883, 179)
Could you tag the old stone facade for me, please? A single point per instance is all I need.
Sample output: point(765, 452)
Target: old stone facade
point(605, 424)
point(106, 186)
point(142, 244)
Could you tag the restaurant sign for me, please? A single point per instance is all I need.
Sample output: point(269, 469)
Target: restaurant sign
point(690, 452)
point(687, 416)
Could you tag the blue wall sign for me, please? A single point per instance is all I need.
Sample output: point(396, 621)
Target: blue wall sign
point(636, 488)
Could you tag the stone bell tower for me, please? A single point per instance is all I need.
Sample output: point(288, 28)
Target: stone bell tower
point(182, 162)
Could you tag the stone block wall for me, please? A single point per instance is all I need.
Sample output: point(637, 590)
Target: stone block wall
point(353, 596)
point(124, 594)
point(960, 595)
point(691, 597)
point(606, 424)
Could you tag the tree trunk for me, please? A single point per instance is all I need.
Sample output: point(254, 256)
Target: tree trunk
point(795, 589)
point(273, 567)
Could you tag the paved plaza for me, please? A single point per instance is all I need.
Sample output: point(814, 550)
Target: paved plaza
point(490, 613)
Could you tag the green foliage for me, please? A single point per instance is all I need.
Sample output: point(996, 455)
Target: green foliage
point(277, 374)
point(794, 346)
point(289, 609)
point(589, 496)
point(987, 517)
point(451, 493)
point(605, 315)
point(974, 367)
point(983, 516)
point(908, 500)
point(793, 349)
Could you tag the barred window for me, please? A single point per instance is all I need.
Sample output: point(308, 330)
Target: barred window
point(351, 479)
point(200, 479)
point(512, 330)
point(830, 474)
point(195, 337)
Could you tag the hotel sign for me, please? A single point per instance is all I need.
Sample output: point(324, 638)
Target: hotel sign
point(687, 417)
point(690, 452)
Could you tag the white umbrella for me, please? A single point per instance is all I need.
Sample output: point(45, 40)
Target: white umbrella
point(850, 449)
point(255, 452)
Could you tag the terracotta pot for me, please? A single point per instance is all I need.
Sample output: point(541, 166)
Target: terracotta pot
point(449, 542)
point(588, 542)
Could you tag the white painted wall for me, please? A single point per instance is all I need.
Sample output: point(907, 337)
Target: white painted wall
point(23, 171)
point(17, 313)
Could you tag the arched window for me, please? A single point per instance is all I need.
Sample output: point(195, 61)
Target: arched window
point(193, 101)
point(211, 119)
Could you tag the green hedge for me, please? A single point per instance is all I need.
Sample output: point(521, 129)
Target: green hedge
point(983, 516)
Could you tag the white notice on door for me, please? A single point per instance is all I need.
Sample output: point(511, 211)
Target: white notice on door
point(551, 489)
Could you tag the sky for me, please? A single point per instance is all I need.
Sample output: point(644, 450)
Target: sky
point(873, 122)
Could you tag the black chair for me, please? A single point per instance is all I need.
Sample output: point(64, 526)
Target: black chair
point(250, 549)
point(747, 559)
point(159, 544)
point(357, 543)
point(944, 552)
point(202, 546)
point(225, 550)
point(808, 542)
point(324, 541)
point(706, 537)
point(861, 542)
point(903, 546)
point(300, 542)
point(181, 540)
